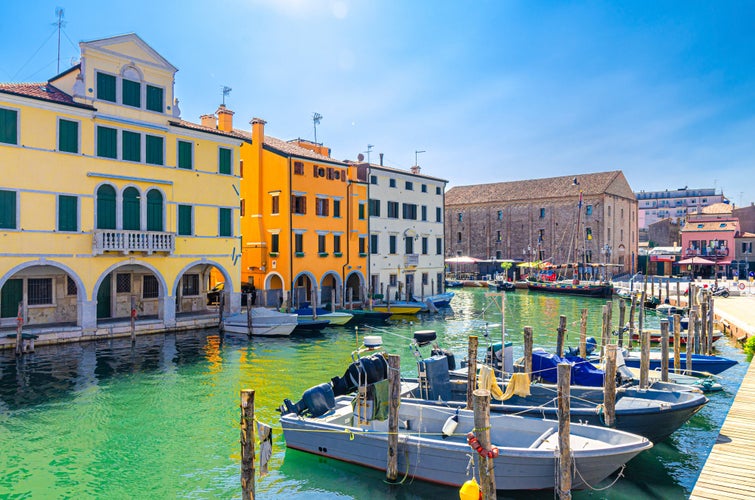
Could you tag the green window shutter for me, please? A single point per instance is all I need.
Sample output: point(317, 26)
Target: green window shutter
point(105, 87)
point(7, 209)
point(361, 211)
point(132, 146)
point(184, 220)
point(154, 210)
point(225, 226)
point(68, 136)
point(154, 150)
point(224, 161)
point(185, 155)
point(9, 126)
point(132, 93)
point(274, 242)
point(154, 99)
point(106, 207)
point(107, 142)
point(68, 216)
point(131, 210)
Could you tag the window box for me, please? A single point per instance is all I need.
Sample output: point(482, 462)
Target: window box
point(299, 254)
point(337, 254)
point(273, 254)
point(322, 254)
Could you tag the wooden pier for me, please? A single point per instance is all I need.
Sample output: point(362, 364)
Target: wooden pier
point(729, 471)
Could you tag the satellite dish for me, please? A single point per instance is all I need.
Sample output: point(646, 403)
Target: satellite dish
point(360, 157)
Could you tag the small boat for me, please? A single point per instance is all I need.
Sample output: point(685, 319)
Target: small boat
point(668, 309)
point(700, 362)
point(526, 446)
point(366, 316)
point(335, 318)
point(655, 336)
point(311, 325)
point(440, 300)
point(501, 285)
point(454, 284)
point(263, 322)
point(601, 290)
point(398, 308)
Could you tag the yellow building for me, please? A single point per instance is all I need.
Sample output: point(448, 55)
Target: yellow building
point(304, 221)
point(108, 198)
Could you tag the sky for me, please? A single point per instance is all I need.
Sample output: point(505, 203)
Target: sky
point(473, 91)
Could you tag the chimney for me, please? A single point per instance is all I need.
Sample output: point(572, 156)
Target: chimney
point(208, 121)
point(225, 118)
point(381, 159)
point(415, 169)
point(258, 131)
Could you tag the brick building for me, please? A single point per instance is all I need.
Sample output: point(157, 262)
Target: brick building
point(540, 219)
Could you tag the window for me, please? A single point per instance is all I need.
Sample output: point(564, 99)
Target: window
point(458, 236)
point(224, 161)
point(322, 206)
point(105, 87)
point(321, 243)
point(393, 210)
point(362, 246)
point(361, 211)
point(71, 288)
point(424, 245)
point(123, 283)
point(410, 211)
point(299, 168)
point(374, 244)
point(461, 217)
point(424, 212)
point(499, 215)
point(68, 217)
point(437, 189)
point(132, 146)
point(154, 154)
point(373, 179)
point(185, 155)
point(132, 93)
point(7, 209)
point(154, 210)
point(424, 279)
point(150, 287)
point(438, 214)
point(185, 222)
point(39, 291)
point(131, 209)
point(106, 207)
point(68, 136)
point(190, 285)
point(588, 210)
point(409, 186)
point(588, 233)
point(336, 244)
point(336, 208)
point(438, 246)
point(424, 188)
point(107, 142)
point(274, 243)
point(375, 208)
point(392, 280)
point(498, 254)
point(498, 236)
point(8, 126)
point(542, 213)
point(392, 244)
point(154, 99)
point(225, 224)
point(299, 204)
point(609, 211)
point(392, 183)
point(408, 245)
point(275, 204)
point(299, 243)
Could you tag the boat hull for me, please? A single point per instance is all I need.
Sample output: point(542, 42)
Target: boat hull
point(586, 290)
point(397, 309)
point(264, 324)
point(700, 363)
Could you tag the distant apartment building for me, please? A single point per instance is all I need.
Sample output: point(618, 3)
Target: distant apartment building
point(406, 231)
point(590, 219)
point(654, 206)
point(708, 240)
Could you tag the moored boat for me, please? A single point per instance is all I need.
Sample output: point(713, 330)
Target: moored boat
point(263, 322)
point(335, 318)
point(603, 290)
point(394, 308)
point(700, 362)
point(441, 299)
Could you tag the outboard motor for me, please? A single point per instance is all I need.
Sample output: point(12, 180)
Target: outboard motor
point(448, 354)
point(372, 369)
point(316, 401)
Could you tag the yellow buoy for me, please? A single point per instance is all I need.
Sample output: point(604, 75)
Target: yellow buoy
point(470, 490)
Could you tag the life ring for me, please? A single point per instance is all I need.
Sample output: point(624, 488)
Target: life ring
point(741, 286)
point(474, 443)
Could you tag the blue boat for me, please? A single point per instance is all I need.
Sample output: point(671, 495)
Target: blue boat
point(700, 362)
point(440, 300)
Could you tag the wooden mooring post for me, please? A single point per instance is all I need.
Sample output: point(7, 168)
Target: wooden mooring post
point(20, 329)
point(609, 386)
point(583, 334)
point(711, 316)
point(678, 295)
point(247, 444)
point(644, 357)
point(249, 325)
point(677, 343)
point(609, 321)
point(560, 336)
point(632, 309)
point(690, 339)
point(603, 332)
point(133, 319)
point(528, 350)
point(221, 308)
point(667, 300)
point(482, 433)
point(704, 322)
point(622, 317)
point(664, 350)
point(394, 381)
point(471, 368)
point(564, 429)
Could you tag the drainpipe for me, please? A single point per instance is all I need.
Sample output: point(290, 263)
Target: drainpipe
point(348, 235)
point(290, 239)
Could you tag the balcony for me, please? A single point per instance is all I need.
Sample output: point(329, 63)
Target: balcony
point(708, 253)
point(116, 240)
point(411, 260)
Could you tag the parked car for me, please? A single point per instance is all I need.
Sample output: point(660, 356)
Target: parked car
point(213, 295)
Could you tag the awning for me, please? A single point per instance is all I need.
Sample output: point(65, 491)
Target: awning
point(699, 261)
point(723, 262)
point(462, 260)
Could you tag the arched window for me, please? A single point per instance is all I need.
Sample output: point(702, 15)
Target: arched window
point(106, 207)
point(131, 209)
point(154, 210)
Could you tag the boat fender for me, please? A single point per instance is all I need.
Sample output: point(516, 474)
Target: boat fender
point(470, 490)
point(475, 443)
point(450, 426)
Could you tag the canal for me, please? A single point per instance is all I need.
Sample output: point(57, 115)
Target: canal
point(160, 419)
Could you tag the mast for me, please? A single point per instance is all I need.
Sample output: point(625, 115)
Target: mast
point(578, 234)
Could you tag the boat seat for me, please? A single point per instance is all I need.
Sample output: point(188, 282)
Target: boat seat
point(543, 437)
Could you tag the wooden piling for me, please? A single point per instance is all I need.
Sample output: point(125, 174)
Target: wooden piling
point(249, 325)
point(704, 323)
point(710, 325)
point(20, 329)
point(564, 443)
point(221, 309)
point(603, 334)
point(652, 287)
point(622, 316)
point(560, 335)
point(609, 322)
point(678, 295)
point(133, 319)
point(314, 303)
point(333, 300)
point(664, 350)
point(528, 350)
point(350, 297)
point(247, 444)
point(695, 330)
point(677, 342)
point(644, 358)
point(609, 386)
point(690, 339)
point(667, 300)
point(583, 334)
point(641, 316)
point(632, 309)
point(471, 368)
point(482, 433)
point(394, 380)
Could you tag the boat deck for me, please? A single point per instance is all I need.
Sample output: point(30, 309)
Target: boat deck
point(729, 471)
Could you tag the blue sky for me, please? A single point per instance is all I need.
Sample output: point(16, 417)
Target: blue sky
point(490, 90)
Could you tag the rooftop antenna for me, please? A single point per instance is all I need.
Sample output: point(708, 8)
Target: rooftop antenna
point(369, 150)
point(59, 23)
point(416, 154)
point(316, 117)
point(226, 91)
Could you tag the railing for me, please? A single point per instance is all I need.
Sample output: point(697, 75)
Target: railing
point(714, 253)
point(115, 240)
point(411, 259)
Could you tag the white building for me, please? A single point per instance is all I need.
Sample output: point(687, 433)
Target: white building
point(406, 256)
point(658, 205)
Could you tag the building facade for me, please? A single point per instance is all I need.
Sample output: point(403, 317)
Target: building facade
point(128, 209)
point(710, 237)
point(589, 219)
point(406, 231)
point(657, 205)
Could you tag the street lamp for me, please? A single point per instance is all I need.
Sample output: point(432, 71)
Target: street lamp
point(606, 252)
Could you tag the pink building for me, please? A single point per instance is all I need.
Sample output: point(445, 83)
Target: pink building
point(708, 237)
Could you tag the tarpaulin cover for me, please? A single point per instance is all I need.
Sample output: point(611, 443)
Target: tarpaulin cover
point(545, 365)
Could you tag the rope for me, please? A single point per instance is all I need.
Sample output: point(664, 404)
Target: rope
point(618, 476)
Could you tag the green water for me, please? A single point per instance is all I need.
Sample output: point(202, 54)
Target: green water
point(160, 419)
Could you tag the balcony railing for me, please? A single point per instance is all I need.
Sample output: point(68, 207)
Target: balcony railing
point(711, 253)
point(116, 240)
point(411, 259)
